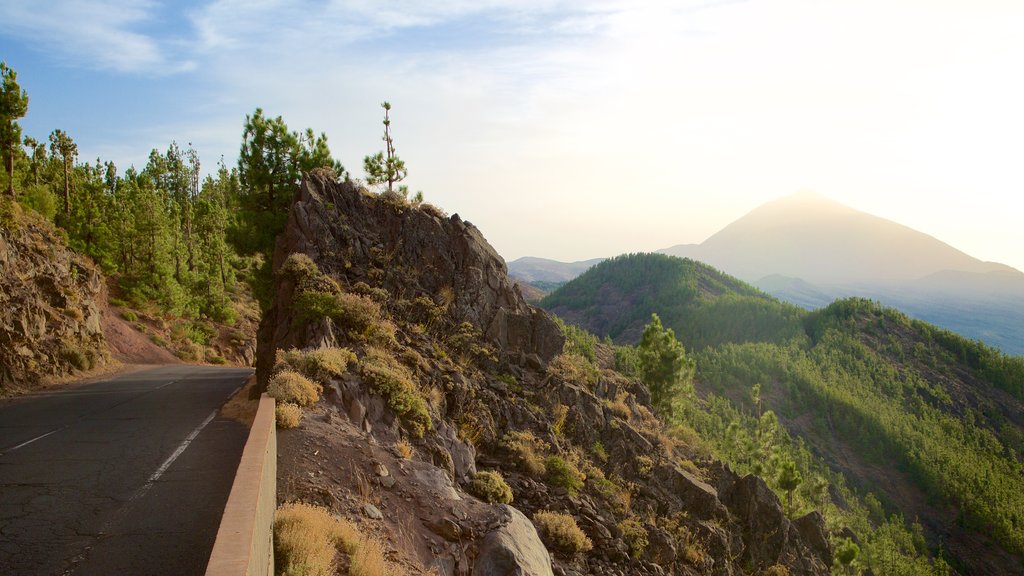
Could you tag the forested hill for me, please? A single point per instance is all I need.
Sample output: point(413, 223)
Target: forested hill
point(929, 422)
point(705, 307)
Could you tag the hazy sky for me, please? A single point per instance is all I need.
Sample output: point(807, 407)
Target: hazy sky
point(572, 129)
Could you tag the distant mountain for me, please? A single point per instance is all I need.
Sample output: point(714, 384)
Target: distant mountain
point(810, 250)
point(811, 237)
point(542, 270)
point(928, 421)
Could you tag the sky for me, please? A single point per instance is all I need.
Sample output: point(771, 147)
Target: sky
point(568, 129)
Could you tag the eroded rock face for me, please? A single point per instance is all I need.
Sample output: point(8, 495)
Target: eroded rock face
point(490, 412)
point(512, 549)
point(49, 306)
point(409, 252)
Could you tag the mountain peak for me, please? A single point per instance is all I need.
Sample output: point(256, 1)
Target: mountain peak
point(810, 236)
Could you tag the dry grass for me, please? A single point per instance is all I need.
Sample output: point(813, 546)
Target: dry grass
point(241, 407)
point(307, 538)
point(368, 560)
point(404, 449)
point(288, 415)
point(290, 386)
point(575, 369)
point(560, 531)
point(528, 451)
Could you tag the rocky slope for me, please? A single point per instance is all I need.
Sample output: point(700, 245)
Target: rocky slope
point(49, 305)
point(454, 375)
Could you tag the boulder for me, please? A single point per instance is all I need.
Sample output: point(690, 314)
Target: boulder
point(512, 549)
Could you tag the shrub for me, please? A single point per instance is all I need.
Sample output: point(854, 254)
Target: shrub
point(299, 266)
point(526, 449)
point(306, 539)
point(564, 474)
point(599, 452)
point(326, 363)
point(574, 368)
point(359, 316)
point(189, 351)
point(491, 488)
point(288, 415)
point(393, 382)
point(776, 570)
point(635, 536)
point(129, 316)
point(560, 531)
point(289, 386)
point(644, 466)
point(368, 560)
point(404, 449)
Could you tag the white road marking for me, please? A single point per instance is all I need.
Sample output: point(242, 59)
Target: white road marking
point(170, 460)
point(27, 442)
point(167, 463)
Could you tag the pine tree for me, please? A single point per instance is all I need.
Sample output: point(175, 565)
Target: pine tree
point(390, 169)
point(13, 105)
point(62, 145)
point(789, 479)
point(664, 366)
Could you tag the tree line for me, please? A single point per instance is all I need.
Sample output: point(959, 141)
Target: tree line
point(171, 236)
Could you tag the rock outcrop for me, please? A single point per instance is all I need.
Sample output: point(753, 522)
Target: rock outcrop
point(421, 298)
point(408, 252)
point(49, 305)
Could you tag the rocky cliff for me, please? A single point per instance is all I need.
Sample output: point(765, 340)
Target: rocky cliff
point(49, 305)
point(455, 429)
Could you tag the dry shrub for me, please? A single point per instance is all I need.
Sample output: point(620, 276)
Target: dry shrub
point(404, 449)
point(528, 451)
point(393, 382)
point(325, 363)
point(491, 488)
point(574, 368)
point(776, 570)
point(306, 539)
point(368, 560)
point(290, 386)
point(288, 415)
point(561, 532)
point(558, 415)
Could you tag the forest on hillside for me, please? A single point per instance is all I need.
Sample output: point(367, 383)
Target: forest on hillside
point(177, 239)
point(862, 399)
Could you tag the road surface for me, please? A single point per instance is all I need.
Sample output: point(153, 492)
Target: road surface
point(124, 476)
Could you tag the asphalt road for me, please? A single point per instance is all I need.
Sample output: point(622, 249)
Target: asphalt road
point(124, 476)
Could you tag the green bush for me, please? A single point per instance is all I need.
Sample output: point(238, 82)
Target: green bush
point(564, 474)
point(393, 382)
point(289, 386)
point(359, 316)
point(490, 487)
point(560, 531)
point(129, 316)
point(635, 536)
point(299, 266)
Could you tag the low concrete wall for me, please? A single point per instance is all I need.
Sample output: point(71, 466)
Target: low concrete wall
point(245, 544)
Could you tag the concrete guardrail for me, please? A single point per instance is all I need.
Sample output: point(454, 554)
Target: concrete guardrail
point(245, 540)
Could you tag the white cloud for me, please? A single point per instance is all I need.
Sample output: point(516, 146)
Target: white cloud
point(98, 34)
point(580, 129)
